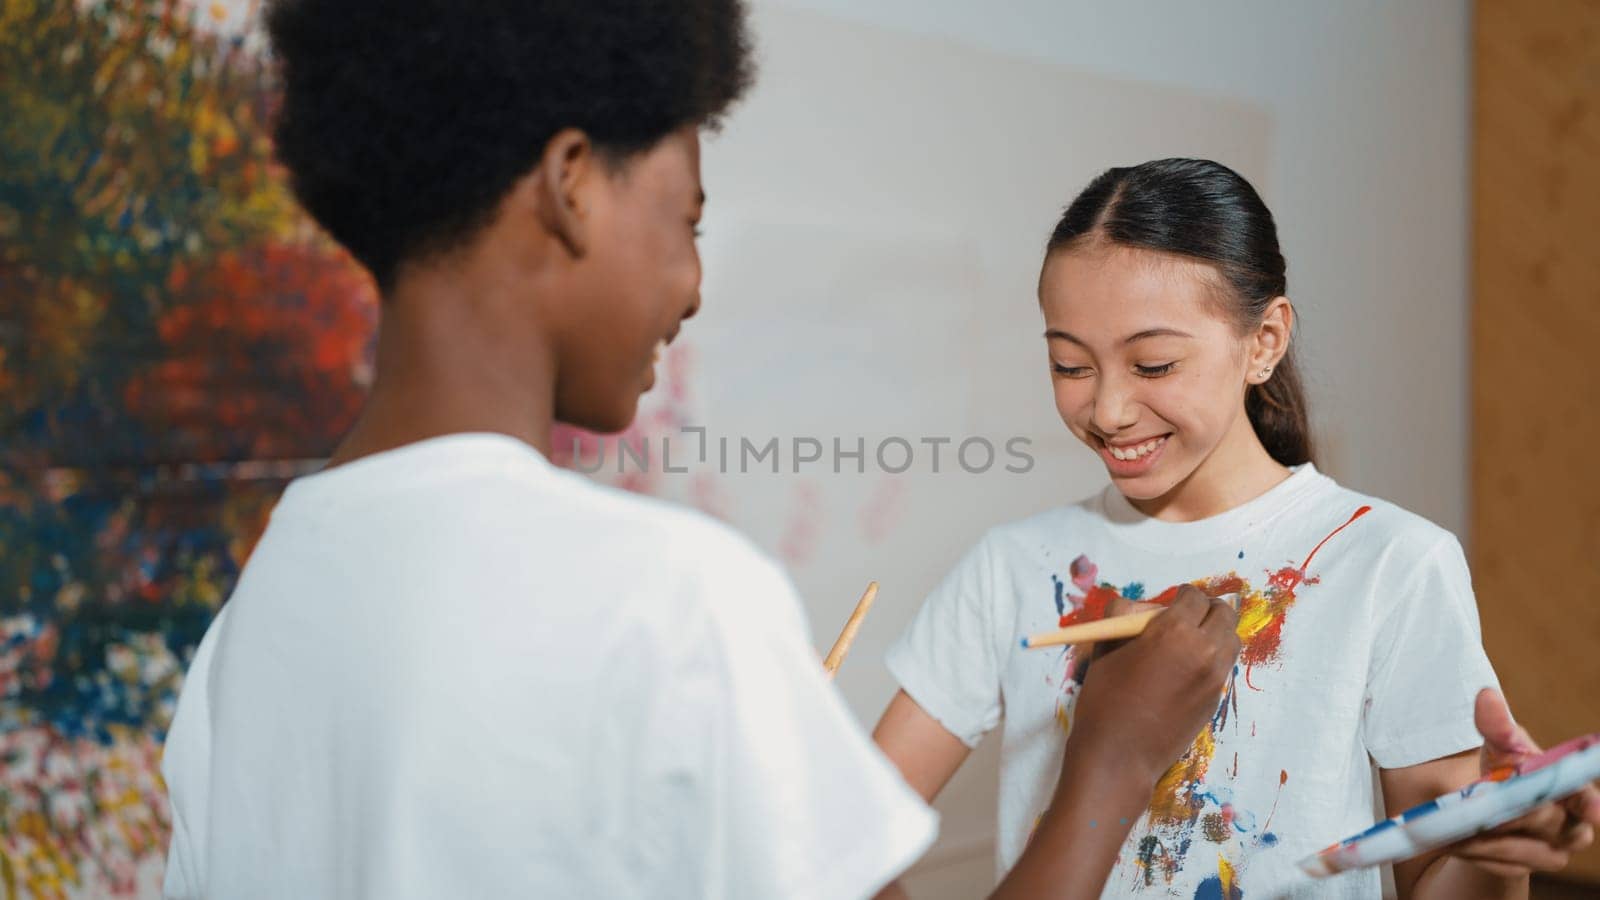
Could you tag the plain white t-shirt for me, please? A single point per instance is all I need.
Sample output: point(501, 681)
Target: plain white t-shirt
point(454, 670)
point(1368, 650)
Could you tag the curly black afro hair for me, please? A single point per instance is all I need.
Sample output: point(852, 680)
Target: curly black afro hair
point(405, 122)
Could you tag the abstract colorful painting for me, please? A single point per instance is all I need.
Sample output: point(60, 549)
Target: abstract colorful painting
point(176, 342)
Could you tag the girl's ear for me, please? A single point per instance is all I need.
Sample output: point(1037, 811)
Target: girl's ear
point(1270, 341)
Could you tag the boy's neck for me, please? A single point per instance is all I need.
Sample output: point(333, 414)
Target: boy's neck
point(454, 359)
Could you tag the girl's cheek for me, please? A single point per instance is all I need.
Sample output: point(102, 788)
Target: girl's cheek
point(1070, 402)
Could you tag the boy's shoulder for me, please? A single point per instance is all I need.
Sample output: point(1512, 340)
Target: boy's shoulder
point(698, 568)
point(689, 537)
point(501, 492)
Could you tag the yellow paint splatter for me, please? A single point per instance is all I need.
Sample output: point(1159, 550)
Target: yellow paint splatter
point(1225, 875)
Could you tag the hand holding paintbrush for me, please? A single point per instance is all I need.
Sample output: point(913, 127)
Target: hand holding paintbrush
point(1111, 628)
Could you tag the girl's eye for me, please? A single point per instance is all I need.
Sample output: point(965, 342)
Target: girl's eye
point(1069, 371)
point(1153, 371)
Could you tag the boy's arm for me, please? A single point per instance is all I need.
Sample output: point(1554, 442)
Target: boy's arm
point(1077, 840)
point(1142, 703)
point(1072, 850)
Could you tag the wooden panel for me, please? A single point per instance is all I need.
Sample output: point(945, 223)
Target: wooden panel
point(1536, 360)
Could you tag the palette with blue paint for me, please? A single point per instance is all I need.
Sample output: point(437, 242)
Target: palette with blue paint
point(1504, 795)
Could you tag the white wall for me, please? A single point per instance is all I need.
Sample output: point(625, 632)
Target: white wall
point(1368, 181)
point(1351, 118)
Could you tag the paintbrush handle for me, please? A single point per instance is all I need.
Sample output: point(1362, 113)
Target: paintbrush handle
point(1112, 629)
point(848, 635)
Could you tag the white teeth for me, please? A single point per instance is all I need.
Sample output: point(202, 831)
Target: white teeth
point(1138, 451)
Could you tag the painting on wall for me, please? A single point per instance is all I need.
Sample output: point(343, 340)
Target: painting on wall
point(176, 342)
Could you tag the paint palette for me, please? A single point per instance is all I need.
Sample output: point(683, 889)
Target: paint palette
point(1504, 795)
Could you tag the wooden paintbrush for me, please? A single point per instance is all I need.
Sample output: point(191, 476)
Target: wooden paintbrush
point(1115, 628)
point(848, 635)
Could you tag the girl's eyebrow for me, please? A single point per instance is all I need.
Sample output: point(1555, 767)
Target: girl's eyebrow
point(1147, 333)
point(1156, 332)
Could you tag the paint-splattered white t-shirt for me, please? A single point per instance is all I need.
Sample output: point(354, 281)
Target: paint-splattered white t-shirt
point(452, 670)
point(1360, 644)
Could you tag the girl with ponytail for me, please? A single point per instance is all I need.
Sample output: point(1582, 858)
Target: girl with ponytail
point(1168, 331)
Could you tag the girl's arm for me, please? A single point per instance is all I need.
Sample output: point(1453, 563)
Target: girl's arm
point(924, 751)
point(1438, 875)
point(1497, 863)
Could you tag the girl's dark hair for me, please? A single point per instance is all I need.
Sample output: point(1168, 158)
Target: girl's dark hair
point(1208, 212)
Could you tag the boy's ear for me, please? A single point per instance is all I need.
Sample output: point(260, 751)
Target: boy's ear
point(1271, 340)
point(561, 188)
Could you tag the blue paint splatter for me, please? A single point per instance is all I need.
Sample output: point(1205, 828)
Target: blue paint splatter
point(1061, 604)
point(1134, 591)
point(1241, 554)
point(1211, 889)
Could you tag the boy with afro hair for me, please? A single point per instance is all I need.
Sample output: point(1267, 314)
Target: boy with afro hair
point(451, 669)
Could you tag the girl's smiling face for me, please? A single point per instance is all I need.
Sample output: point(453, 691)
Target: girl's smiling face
point(1151, 373)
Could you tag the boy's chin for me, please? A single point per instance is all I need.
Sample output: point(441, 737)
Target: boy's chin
point(611, 416)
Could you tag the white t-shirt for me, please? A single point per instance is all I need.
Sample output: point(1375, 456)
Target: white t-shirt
point(1370, 649)
point(453, 670)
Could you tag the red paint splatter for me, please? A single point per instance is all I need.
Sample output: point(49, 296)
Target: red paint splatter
point(1176, 806)
point(1092, 606)
point(1283, 779)
point(1263, 646)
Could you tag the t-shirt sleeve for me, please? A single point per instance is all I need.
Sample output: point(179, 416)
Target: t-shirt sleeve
point(946, 660)
point(186, 768)
point(797, 802)
point(1427, 665)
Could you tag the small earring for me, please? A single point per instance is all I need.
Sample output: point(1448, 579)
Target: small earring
point(1266, 372)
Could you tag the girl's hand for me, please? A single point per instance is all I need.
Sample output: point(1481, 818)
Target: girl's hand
point(1544, 839)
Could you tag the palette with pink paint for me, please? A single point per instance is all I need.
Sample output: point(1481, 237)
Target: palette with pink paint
point(1508, 794)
